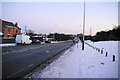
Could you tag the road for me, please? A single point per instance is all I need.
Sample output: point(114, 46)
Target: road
point(19, 60)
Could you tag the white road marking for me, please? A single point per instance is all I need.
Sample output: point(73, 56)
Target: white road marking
point(47, 51)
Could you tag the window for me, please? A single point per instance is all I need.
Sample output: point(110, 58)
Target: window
point(8, 29)
point(8, 35)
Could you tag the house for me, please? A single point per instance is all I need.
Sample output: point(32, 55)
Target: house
point(9, 29)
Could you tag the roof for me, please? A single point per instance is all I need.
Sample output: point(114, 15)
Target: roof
point(9, 24)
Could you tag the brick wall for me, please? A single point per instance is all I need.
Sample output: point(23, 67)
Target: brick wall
point(10, 32)
point(7, 40)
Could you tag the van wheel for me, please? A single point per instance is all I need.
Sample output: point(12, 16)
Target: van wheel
point(17, 43)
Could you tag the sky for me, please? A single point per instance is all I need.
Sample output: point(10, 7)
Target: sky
point(61, 17)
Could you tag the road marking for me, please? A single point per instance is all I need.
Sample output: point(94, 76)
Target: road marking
point(6, 53)
point(47, 51)
point(20, 50)
point(20, 70)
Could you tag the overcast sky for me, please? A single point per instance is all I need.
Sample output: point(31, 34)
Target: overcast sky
point(61, 17)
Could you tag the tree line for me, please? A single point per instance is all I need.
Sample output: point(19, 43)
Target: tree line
point(113, 34)
point(55, 36)
point(60, 37)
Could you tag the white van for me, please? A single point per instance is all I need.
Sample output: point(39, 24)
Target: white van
point(23, 39)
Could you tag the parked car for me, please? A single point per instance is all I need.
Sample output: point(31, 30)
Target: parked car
point(48, 40)
point(23, 39)
point(36, 41)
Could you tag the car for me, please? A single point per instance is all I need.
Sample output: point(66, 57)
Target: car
point(36, 41)
point(47, 41)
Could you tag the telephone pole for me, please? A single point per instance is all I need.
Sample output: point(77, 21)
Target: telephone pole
point(25, 29)
point(83, 27)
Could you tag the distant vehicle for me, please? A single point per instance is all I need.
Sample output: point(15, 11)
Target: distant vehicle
point(76, 40)
point(36, 41)
point(23, 39)
point(48, 40)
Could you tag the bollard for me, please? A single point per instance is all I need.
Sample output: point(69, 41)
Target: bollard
point(98, 50)
point(77, 45)
point(101, 51)
point(106, 54)
point(95, 48)
point(113, 58)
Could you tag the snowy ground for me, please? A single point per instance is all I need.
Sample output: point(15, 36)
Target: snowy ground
point(42, 42)
point(55, 42)
point(13, 44)
point(10, 44)
point(75, 63)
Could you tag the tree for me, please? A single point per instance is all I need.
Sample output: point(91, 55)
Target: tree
point(60, 37)
point(113, 34)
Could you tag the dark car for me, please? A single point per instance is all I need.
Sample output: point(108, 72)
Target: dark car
point(36, 41)
point(47, 41)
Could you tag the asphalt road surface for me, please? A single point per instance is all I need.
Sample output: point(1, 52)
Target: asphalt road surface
point(19, 60)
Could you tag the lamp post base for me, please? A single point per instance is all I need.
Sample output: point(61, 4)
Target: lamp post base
point(83, 45)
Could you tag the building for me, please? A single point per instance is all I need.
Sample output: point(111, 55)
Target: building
point(9, 29)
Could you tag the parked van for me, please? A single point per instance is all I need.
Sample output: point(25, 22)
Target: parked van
point(23, 39)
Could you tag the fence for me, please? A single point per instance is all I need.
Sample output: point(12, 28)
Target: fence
point(7, 40)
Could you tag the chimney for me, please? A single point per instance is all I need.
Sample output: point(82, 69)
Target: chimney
point(16, 24)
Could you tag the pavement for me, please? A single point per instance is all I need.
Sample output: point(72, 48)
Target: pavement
point(17, 61)
point(89, 64)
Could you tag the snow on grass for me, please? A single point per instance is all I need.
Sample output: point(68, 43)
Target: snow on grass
point(6, 45)
point(96, 65)
point(111, 47)
point(58, 41)
point(42, 42)
point(75, 63)
point(1, 33)
point(55, 42)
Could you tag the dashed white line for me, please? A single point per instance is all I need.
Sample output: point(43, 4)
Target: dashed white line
point(47, 51)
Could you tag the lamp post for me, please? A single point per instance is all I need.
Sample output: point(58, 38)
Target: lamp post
point(83, 27)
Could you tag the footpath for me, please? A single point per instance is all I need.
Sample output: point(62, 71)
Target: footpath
point(77, 63)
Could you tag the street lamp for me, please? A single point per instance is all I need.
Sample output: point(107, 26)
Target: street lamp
point(83, 28)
